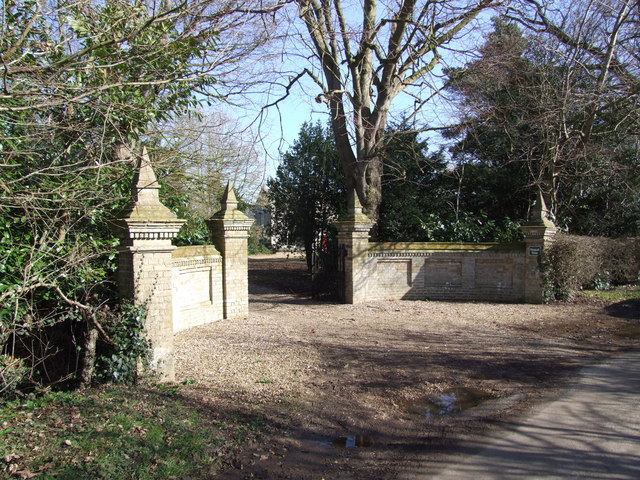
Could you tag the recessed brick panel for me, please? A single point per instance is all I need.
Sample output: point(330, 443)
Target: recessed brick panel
point(443, 272)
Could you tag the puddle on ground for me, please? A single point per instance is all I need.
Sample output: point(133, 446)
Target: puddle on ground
point(353, 441)
point(447, 403)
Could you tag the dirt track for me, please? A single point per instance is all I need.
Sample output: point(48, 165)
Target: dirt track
point(342, 391)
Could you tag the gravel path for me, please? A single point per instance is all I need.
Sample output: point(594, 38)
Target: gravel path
point(319, 372)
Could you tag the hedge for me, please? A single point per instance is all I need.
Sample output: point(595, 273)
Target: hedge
point(572, 263)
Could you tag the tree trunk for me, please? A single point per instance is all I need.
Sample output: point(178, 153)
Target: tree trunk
point(364, 171)
point(88, 361)
point(368, 186)
point(308, 253)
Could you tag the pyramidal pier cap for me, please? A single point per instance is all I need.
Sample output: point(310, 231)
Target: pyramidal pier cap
point(146, 196)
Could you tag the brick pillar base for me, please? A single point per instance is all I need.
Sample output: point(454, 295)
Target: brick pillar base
point(145, 272)
point(353, 240)
point(538, 233)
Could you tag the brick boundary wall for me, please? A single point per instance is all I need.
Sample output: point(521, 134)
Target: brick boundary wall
point(197, 286)
point(438, 271)
point(181, 287)
point(441, 271)
point(188, 286)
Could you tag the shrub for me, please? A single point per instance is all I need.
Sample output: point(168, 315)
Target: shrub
point(572, 263)
point(258, 241)
point(12, 374)
point(120, 361)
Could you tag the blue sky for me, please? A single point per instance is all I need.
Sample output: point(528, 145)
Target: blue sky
point(281, 125)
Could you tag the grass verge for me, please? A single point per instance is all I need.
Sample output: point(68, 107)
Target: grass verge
point(114, 432)
point(619, 294)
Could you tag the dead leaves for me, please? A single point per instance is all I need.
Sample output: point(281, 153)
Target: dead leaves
point(12, 462)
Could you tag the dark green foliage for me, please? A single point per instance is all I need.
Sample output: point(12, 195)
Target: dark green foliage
point(308, 191)
point(414, 187)
point(127, 351)
point(193, 232)
point(424, 199)
point(609, 207)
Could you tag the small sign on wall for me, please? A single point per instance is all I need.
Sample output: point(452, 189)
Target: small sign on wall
point(535, 250)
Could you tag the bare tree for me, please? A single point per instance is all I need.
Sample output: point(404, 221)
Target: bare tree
point(362, 56)
point(202, 152)
point(559, 99)
point(596, 44)
point(599, 36)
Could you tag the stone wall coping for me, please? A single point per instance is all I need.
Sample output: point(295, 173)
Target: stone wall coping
point(415, 247)
point(195, 251)
point(195, 263)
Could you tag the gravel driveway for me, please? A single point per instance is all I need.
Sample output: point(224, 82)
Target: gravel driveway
point(366, 391)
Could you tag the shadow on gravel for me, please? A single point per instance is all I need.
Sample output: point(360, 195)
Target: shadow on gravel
point(279, 275)
point(629, 309)
point(338, 430)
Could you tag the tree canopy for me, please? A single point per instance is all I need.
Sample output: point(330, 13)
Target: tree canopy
point(528, 109)
point(362, 56)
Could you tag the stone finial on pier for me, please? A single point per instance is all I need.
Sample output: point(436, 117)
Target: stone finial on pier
point(354, 210)
point(229, 230)
point(229, 208)
point(538, 233)
point(146, 208)
point(540, 215)
point(540, 225)
point(146, 229)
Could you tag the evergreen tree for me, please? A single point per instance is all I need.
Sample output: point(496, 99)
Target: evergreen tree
point(528, 122)
point(308, 191)
point(424, 199)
